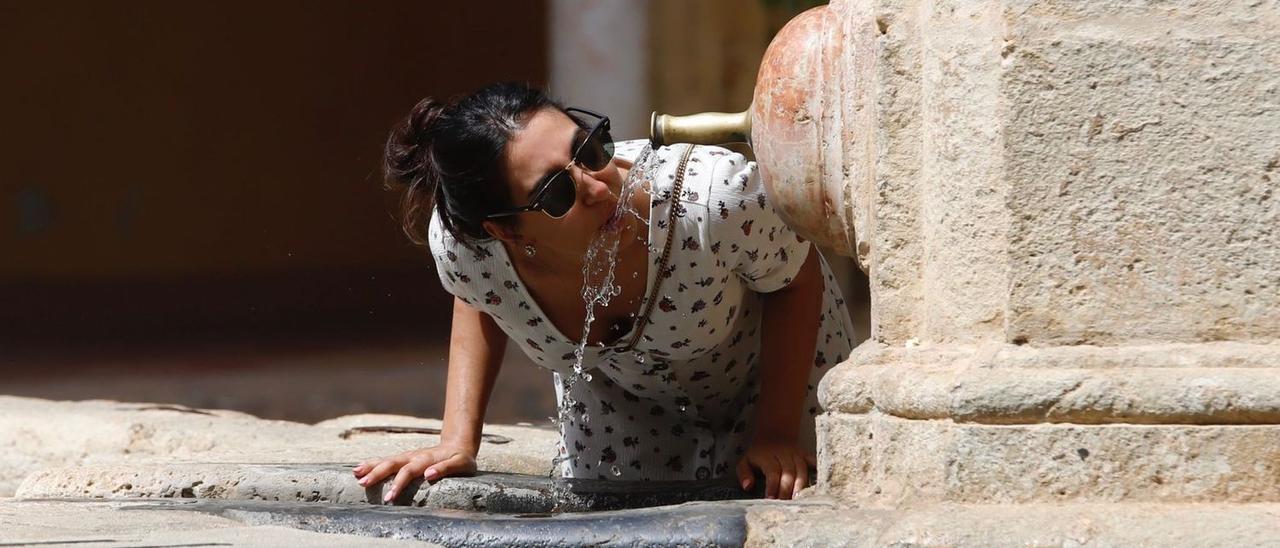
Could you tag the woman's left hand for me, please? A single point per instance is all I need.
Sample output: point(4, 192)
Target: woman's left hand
point(785, 467)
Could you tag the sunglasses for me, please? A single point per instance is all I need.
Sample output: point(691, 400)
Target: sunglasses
point(591, 149)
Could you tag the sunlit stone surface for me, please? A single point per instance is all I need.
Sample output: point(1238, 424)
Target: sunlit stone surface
point(1068, 214)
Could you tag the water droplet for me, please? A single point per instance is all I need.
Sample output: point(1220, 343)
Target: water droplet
point(683, 409)
point(616, 471)
point(586, 377)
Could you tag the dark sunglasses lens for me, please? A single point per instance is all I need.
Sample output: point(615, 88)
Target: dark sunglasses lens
point(559, 196)
point(597, 151)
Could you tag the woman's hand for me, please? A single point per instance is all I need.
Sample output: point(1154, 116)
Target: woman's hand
point(785, 467)
point(431, 463)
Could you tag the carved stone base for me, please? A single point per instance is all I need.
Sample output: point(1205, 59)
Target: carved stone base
point(813, 524)
point(1005, 424)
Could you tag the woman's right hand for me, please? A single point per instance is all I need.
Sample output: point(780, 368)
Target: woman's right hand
point(431, 463)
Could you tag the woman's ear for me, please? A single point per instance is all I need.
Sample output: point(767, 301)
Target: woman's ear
point(501, 231)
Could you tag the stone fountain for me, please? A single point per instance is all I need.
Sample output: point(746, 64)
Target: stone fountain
point(1068, 212)
point(1069, 218)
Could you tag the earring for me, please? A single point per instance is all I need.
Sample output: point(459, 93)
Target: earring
point(530, 250)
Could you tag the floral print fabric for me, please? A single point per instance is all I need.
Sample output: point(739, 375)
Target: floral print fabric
point(680, 405)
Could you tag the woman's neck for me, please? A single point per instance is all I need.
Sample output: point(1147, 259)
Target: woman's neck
point(548, 262)
point(544, 262)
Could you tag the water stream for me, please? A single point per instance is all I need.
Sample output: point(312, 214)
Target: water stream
point(598, 288)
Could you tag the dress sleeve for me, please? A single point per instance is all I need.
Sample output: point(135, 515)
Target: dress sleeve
point(747, 232)
point(455, 276)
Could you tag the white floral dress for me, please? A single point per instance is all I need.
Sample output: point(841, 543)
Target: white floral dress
point(680, 405)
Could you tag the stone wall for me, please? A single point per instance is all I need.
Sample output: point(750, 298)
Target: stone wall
point(1068, 173)
point(1068, 216)
point(1141, 141)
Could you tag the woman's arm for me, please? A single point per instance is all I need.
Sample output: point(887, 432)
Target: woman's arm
point(476, 347)
point(789, 335)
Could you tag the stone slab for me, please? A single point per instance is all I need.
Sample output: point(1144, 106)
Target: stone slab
point(334, 484)
point(1172, 355)
point(694, 524)
point(37, 434)
point(1222, 383)
point(879, 459)
point(1058, 172)
point(1140, 158)
point(815, 522)
point(956, 525)
point(114, 524)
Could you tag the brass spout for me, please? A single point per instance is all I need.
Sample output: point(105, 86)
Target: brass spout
point(708, 128)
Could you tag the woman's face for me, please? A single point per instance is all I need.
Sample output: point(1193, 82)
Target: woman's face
point(540, 150)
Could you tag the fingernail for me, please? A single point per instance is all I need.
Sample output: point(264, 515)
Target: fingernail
point(431, 473)
point(746, 486)
point(390, 495)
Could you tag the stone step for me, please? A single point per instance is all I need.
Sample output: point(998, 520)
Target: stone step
point(988, 525)
point(334, 484)
point(108, 524)
point(815, 522)
point(693, 524)
point(875, 458)
point(39, 434)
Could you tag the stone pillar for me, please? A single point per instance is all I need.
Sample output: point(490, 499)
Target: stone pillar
point(1070, 219)
point(600, 60)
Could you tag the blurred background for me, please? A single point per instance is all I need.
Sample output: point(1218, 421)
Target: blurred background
point(191, 208)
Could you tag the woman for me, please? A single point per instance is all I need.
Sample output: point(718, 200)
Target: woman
point(737, 318)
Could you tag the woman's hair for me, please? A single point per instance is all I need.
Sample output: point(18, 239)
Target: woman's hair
point(450, 155)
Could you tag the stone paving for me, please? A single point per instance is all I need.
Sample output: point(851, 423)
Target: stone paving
point(117, 439)
point(813, 522)
point(227, 477)
point(106, 473)
point(115, 524)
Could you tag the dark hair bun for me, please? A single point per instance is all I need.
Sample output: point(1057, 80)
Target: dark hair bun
point(404, 159)
point(448, 157)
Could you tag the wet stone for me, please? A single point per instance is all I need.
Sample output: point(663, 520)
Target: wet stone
point(334, 484)
point(519, 493)
point(693, 524)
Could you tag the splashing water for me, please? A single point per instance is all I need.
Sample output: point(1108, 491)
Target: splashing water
point(598, 288)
